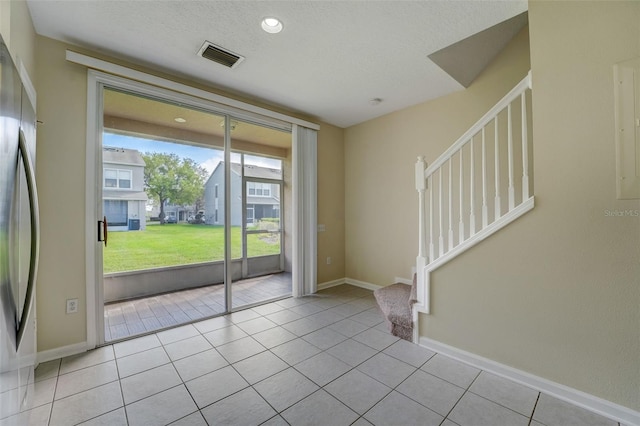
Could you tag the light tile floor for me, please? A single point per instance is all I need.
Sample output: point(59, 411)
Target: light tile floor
point(321, 360)
point(148, 314)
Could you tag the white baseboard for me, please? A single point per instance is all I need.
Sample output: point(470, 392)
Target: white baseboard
point(362, 284)
point(357, 283)
point(624, 415)
point(330, 284)
point(402, 280)
point(62, 352)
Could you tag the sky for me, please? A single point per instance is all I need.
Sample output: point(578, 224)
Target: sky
point(205, 157)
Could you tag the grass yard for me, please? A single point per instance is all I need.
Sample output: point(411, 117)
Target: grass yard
point(178, 244)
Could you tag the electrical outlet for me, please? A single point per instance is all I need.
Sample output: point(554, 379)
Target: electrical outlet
point(72, 306)
point(328, 261)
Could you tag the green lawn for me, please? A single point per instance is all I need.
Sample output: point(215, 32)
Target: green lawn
point(178, 244)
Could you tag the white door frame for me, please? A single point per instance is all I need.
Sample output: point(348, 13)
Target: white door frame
point(304, 230)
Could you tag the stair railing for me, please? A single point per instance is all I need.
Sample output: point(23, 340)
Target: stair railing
point(492, 156)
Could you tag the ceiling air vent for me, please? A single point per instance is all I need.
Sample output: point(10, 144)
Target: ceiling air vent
point(220, 55)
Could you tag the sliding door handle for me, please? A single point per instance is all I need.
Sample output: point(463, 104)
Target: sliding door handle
point(102, 230)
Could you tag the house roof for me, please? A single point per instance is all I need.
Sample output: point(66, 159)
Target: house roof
point(113, 155)
point(257, 171)
point(250, 171)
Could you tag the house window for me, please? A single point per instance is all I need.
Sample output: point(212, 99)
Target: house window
point(216, 190)
point(259, 189)
point(116, 212)
point(216, 213)
point(114, 178)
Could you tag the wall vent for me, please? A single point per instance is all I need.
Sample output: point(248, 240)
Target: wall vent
point(220, 55)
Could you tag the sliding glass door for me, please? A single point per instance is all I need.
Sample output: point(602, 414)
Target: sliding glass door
point(194, 212)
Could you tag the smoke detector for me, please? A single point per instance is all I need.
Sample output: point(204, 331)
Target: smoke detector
point(220, 55)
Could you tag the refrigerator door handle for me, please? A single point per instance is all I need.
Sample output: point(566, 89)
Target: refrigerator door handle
point(35, 235)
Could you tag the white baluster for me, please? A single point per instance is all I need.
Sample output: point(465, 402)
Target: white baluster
point(525, 149)
point(461, 223)
point(441, 237)
point(421, 184)
point(485, 211)
point(512, 190)
point(472, 193)
point(450, 205)
point(498, 206)
point(431, 247)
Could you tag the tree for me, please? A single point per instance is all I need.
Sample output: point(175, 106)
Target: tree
point(168, 177)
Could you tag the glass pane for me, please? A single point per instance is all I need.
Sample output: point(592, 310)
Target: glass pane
point(124, 179)
point(163, 195)
point(263, 156)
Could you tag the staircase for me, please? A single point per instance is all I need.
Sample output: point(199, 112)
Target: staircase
point(479, 185)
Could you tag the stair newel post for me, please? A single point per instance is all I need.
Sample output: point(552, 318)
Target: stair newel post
point(421, 260)
point(525, 149)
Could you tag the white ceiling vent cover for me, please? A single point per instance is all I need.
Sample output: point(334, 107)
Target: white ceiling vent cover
point(220, 55)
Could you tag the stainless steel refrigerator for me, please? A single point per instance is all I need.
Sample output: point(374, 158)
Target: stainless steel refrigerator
point(19, 241)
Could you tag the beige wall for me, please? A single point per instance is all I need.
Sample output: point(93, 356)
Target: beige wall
point(557, 293)
point(381, 201)
point(60, 166)
point(61, 170)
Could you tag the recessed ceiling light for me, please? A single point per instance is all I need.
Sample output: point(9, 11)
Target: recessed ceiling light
point(180, 120)
point(271, 25)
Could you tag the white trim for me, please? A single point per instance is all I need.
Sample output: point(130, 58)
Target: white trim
point(93, 174)
point(362, 284)
point(132, 74)
point(584, 400)
point(63, 351)
point(402, 280)
point(96, 80)
point(329, 284)
point(357, 283)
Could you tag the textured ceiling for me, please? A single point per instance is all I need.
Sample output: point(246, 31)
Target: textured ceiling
point(331, 58)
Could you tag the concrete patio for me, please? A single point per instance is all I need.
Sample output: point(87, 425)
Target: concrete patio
point(149, 314)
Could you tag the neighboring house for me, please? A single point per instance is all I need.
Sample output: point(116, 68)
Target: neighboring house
point(179, 212)
point(263, 198)
point(123, 195)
